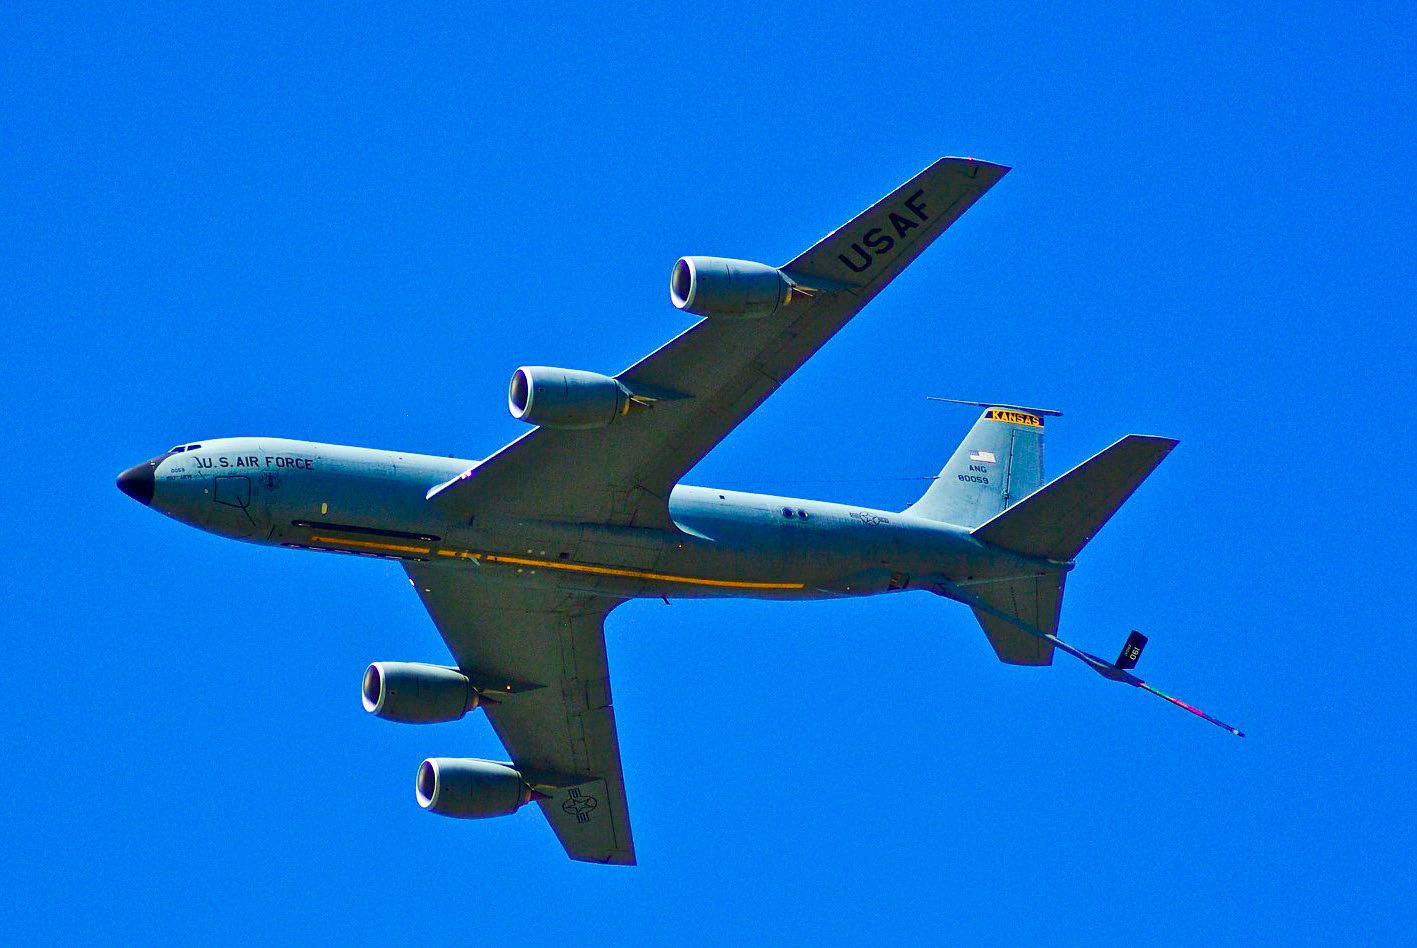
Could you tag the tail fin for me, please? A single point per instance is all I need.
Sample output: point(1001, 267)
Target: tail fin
point(999, 462)
point(1054, 523)
point(1058, 520)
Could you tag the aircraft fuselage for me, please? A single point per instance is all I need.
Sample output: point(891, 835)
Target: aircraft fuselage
point(333, 498)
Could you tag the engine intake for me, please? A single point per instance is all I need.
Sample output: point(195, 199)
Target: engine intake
point(469, 788)
point(716, 286)
point(565, 398)
point(415, 693)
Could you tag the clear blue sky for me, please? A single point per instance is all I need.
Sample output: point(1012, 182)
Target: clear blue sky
point(351, 226)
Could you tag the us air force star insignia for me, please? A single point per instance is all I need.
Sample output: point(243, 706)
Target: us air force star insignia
point(579, 806)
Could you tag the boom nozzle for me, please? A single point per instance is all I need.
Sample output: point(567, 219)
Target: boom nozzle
point(1120, 670)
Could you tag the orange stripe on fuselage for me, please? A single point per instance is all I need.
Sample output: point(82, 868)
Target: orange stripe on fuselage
point(370, 544)
point(614, 571)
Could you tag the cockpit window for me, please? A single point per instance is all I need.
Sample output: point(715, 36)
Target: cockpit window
point(179, 448)
point(193, 447)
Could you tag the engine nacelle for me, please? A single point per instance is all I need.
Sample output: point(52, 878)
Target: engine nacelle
point(565, 398)
point(415, 693)
point(469, 788)
point(715, 286)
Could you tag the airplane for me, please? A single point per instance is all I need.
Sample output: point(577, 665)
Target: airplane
point(520, 557)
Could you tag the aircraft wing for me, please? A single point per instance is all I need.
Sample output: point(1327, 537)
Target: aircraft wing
point(538, 656)
point(724, 367)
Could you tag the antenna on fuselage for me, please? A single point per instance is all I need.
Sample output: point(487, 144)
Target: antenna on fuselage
point(959, 401)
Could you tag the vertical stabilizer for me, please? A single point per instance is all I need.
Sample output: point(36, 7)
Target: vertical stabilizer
point(999, 463)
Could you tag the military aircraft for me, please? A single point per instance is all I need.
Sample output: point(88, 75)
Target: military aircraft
point(520, 557)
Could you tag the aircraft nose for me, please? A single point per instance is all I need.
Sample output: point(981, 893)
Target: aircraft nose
point(138, 482)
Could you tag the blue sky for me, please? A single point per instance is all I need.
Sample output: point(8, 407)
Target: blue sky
point(352, 225)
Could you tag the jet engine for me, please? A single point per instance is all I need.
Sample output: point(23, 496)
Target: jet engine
point(415, 693)
point(565, 398)
point(469, 788)
point(715, 286)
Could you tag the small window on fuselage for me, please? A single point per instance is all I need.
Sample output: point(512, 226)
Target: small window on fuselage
point(787, 512)
point(802, 514)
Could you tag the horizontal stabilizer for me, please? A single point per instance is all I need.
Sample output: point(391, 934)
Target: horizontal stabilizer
point(1057, 520)
point(1036, 601)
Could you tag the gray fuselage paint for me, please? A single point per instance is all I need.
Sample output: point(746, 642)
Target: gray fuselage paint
point(302, 494)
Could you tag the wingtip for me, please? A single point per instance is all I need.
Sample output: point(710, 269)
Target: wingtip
point(615, 857)
point(978, 164)
point(1170, 443)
